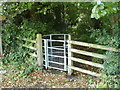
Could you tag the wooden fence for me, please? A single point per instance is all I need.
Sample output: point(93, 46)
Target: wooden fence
point(37, 49)
point(71, 58)
point(71, 50)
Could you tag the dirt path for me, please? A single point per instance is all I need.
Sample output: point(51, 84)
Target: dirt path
point(49, 79)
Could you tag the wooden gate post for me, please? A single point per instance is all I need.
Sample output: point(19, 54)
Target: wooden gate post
point(70, 62)
point(39, 50)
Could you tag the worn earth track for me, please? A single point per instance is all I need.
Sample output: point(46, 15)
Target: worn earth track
point(49, 79)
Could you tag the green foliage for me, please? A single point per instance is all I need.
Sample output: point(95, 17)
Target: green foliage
point(108, 35)
point(111, 39)
point(106, 38)
point(112, 64)
point(30, 30)
point(98, 11)
point(12, 9)
point(17, 62)
point(25, 20)
point(101, 85)
point(109, 81)
point(102, 9)
point(16, 58)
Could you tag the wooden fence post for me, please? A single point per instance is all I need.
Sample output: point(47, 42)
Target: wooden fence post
point(70, 63)
point(39, 50)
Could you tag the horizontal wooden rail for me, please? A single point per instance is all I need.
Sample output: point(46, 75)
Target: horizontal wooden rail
point(85, 71)
point(94, 46)
point(32, 54)
point(86, 62)
point(30, 47)
point(25, 39)
point(71, 58)
point(88, 53)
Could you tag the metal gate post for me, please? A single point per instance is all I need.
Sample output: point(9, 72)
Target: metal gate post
point(45, 49)
point(51, 43)
point(1, 53)
point(65, 52)
point(47, 57)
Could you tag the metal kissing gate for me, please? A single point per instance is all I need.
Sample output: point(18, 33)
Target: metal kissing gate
point(55, 51)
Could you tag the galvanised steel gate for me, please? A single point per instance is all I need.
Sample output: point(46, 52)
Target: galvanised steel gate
point(55, 51)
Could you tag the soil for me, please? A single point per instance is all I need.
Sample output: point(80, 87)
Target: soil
point(50, 79)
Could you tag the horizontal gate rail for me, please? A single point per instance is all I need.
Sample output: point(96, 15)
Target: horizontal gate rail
point(59, 46)
point(55, 35)
point(56, 62)
point(56, 56)
point(57, 40)
point(55, 48)
point(56, 68)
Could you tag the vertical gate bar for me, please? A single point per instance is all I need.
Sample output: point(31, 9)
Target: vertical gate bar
point(65, 52)
point(51, 51)
point(45, 49)
point(1, 53)
point(70, 62)
point(47, 57)
point(51, 43)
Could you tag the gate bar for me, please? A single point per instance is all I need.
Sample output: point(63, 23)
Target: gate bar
point(57, 40)
point(45, 49)
point(55, 48)
point(56, 62)
point(56, 56)
point(56, 68)
point(64, 53)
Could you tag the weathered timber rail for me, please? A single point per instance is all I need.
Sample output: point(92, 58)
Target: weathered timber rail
point(94, 46)
point(39, 46)
point(37, 49)
point(71, 58)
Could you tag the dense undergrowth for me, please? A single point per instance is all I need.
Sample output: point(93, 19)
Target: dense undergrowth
point(17, 59)
point(111, 64)
point(59, 18)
